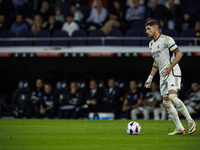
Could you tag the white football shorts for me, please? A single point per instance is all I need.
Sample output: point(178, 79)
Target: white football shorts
point(170, 83)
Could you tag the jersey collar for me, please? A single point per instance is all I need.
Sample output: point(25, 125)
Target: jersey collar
point(157, 38)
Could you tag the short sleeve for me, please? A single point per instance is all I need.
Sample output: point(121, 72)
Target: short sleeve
point(170, 43)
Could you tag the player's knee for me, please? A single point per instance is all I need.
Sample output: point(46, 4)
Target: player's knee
point(173, 97)
point(166, 103)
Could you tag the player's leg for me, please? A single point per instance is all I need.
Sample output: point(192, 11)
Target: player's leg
point(170, 108)
point(156, 113)
point(174, 116)
point(173, 87)
point(134, 113)
point(146, 114)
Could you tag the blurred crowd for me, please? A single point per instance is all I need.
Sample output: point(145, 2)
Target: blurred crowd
point(105, 15)
point(81, 98)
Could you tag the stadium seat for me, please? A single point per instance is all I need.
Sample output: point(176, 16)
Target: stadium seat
point(24, 34)
point(42, 34)
point(114, 33)
point(78, 33)
point(85, 10)
point(171, 33)
point(95, 33)
point(138, 24)
point(7, 34)
point(61, 89)
point(186, 33)
point(60, 33)
point(20, 96)
point(132, 33)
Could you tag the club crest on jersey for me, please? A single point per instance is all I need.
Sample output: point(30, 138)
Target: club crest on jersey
point(158, 46)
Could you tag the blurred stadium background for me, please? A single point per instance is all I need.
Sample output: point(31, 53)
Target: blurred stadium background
point(37, 42)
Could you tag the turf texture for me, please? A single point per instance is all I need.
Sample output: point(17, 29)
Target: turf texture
point(33, 134)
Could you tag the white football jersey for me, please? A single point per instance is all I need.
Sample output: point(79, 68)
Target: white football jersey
point(162, 51)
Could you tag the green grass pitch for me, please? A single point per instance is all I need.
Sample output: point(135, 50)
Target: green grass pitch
point(33, 134)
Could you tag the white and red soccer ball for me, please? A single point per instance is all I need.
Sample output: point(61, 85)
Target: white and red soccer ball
point(133, 128)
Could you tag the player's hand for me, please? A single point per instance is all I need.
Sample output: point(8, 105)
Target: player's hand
point(147, 84)
point(42, 111)
point(93, 102)
point(166, 72)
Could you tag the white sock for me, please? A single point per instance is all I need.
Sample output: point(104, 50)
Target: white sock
point(181, 107)
point(173, 114)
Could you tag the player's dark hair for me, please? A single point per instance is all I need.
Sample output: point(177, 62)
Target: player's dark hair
point(70, 15)
point(152, 23)
point(133, 81)
point(48, 83)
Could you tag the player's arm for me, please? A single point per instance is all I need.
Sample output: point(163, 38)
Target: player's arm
point(178, 56)
point(139, 103)
point(152, 74)
point(125, 107)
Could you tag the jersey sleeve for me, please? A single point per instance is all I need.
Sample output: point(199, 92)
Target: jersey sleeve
point(170, 43)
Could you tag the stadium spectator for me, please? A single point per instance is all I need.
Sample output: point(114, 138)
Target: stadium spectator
point(6, 7)
point(45, 11)
point(60, 3)
point(152, 103)
point(36, 24)
point(78, 16)
point(72, 102)
point(58, 15)
point(33, 101)
point(129, 3)
point(19, 5)
point(155, 11)
point(49, 102)
point(197, 34)
point(91, 101)
point(176, 10)
point(193, 101)
point(187, 21)
point(70, 26)
point(176, 2)
point(52, 25)
point(19, 25)
point(116, 18)
point(94, 3)
point(97, 16)
point(137, 12)
point(160, 2)
point(3, 24)
point(111, 98)
point(133, 101)
point(168, 22)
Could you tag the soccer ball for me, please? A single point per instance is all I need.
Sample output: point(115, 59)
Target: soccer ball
point(133, 128)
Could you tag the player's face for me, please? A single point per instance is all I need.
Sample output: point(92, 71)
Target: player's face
point(150, 30)
point(73, 86)
point(195, 87)
point(111, 83)
point(47, 88)
point(39, 83)
point(133, 85)
point(93, 85)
